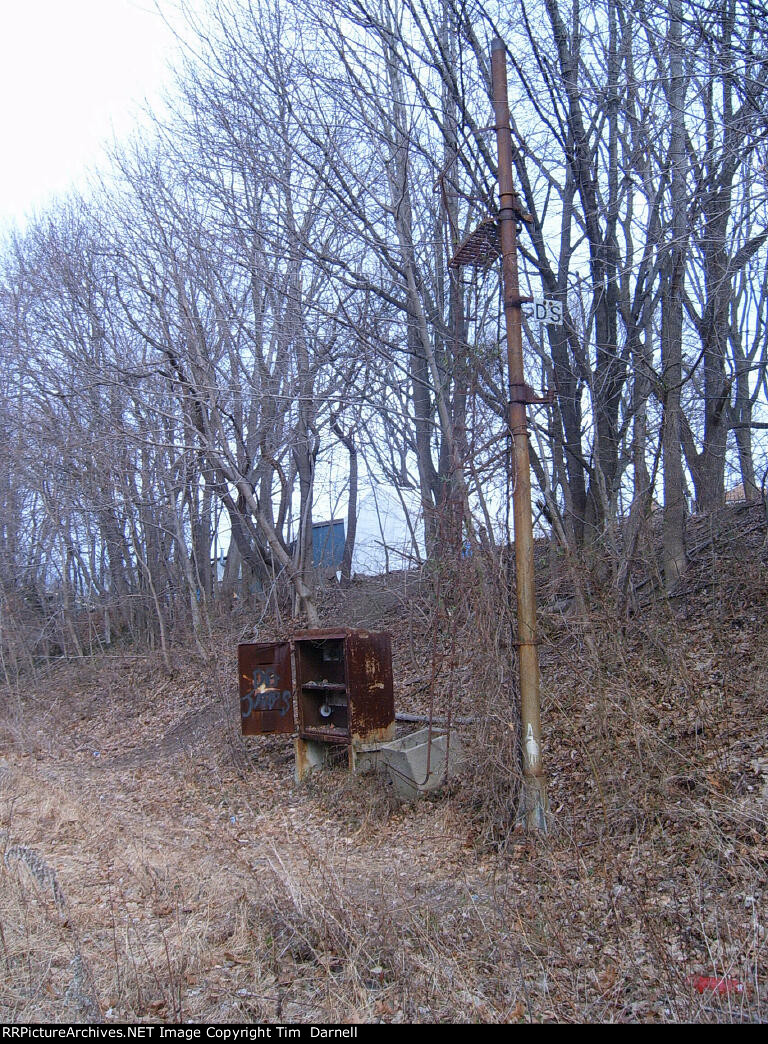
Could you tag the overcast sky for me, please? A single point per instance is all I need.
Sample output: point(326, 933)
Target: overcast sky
point(73, 73)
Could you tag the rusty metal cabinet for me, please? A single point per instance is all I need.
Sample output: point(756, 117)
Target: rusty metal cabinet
point(340, 685)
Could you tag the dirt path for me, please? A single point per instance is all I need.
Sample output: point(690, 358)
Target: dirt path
point(196, 872)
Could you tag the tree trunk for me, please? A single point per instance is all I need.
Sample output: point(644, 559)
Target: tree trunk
point(673, 538)
point(349, 540)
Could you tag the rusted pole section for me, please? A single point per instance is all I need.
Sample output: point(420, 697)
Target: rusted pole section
point(533, 800)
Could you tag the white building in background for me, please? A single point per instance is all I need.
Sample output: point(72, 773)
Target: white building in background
point(390, 530)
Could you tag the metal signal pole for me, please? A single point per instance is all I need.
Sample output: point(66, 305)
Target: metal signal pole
point(533, 801)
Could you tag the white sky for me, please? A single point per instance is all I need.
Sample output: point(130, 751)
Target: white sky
point(73, 74)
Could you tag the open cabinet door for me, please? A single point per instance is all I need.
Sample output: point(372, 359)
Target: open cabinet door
point(266, 688)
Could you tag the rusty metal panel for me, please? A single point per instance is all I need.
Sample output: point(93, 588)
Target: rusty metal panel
point(266, 688)
point(369, 677)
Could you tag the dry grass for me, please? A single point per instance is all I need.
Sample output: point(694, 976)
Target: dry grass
point(156, 868)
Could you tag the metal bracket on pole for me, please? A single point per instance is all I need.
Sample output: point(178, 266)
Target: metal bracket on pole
point(517, 209)
point(525, 394)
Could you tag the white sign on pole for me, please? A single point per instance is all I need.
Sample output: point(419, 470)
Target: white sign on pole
point(546, 311)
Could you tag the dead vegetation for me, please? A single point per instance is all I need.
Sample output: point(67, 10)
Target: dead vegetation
point(158, 867)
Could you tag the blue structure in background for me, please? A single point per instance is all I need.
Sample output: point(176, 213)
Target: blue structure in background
point(327, 545)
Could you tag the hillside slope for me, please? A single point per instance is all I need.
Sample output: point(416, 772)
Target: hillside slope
point(157, 866)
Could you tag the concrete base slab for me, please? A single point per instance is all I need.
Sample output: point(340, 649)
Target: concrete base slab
point(310, 756)
point(313, 754)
